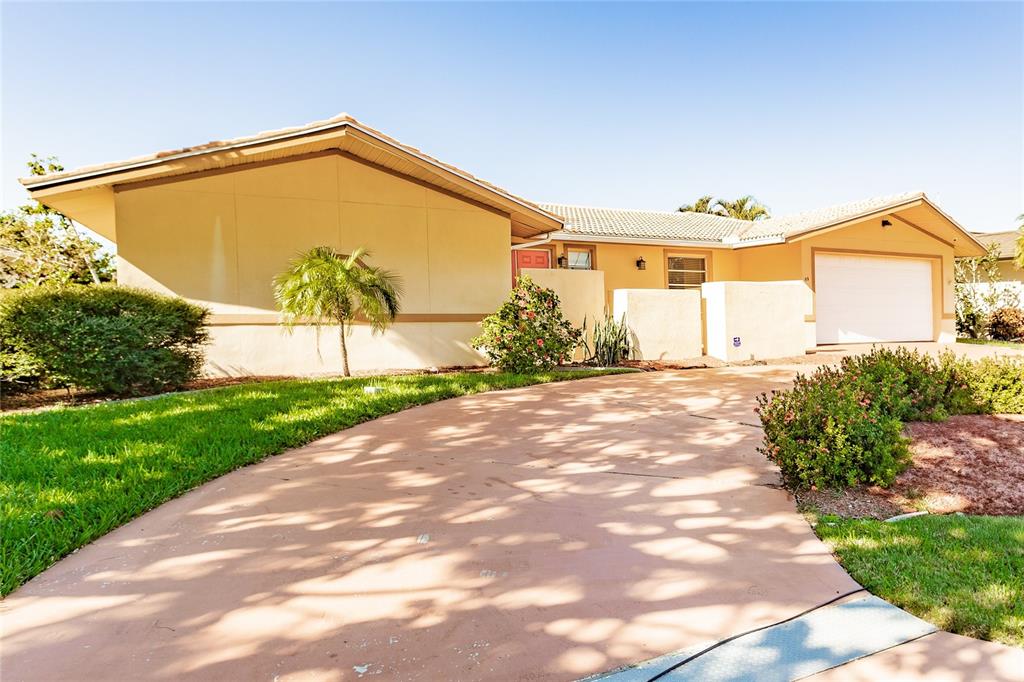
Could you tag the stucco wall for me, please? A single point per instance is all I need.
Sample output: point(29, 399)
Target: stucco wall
point(618, 262)
point(580, 292)
point(765, 319)
point(220, 239)
point(1009, 272)
point(665, 324)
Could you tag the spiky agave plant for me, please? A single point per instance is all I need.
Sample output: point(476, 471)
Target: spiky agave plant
point(610, 339)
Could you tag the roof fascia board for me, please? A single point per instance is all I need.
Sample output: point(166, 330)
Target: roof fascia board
point(846, 222)
point(388, 144)
point(569, 237)
point(34, 185)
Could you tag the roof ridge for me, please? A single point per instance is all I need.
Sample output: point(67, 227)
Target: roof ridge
point(641, 210)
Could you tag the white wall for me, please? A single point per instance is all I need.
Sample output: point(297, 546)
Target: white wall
point(665, 323)
point(756, 320)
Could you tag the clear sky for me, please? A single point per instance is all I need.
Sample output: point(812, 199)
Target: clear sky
point(623, 105)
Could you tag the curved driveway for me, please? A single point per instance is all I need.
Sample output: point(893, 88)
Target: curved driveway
point(543, 533)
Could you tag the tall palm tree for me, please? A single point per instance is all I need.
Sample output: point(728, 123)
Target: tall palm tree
point(327, 287)
point(745, 208)
point(706, 204)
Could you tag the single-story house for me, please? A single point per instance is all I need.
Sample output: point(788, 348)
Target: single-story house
point(214, 223)
point(1006, 243)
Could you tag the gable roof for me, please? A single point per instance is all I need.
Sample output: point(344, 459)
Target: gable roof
point(341, 133)
point(687, 227)
point(1005, 240)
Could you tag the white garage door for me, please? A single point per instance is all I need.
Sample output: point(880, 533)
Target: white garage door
point(860, 299)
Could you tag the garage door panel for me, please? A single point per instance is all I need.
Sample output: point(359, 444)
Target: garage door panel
point(863, 299)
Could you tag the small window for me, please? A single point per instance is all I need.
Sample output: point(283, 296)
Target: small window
point(686, 272)
point(580, 259)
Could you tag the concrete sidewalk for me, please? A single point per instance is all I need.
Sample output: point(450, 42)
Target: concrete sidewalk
point(550, 532)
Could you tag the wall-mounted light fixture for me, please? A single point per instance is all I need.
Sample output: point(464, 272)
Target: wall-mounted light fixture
point(641, 264)
point(886, 223)
point(563, 262)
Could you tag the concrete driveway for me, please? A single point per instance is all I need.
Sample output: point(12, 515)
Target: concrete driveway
point(542, 533)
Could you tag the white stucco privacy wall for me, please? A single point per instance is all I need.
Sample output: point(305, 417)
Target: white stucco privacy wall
point(665, 323)
point(756, 320)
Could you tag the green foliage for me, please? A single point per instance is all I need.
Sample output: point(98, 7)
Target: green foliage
point(529, 333)
point(961, 573)
point(978, 293)
point(826, 431)
point(842, 426)
point(41, 246)
point(1006, 324)
point(997, 385)
point(102, 338)
point(611, 342)
point(743, 208)
point(71, 475)
point(323, 286)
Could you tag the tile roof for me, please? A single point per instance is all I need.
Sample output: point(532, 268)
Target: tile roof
point(1006, 240)
point(613, 222)
point(703, 227)
point(798, 223)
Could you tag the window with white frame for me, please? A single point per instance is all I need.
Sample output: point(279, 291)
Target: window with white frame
point(580, 258)
point(686, 272)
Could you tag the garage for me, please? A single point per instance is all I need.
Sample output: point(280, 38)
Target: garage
point(864, 298)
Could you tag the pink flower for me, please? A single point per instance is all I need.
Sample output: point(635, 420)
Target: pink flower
point(540, 342)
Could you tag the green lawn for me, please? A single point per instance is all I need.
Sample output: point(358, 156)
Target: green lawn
point(965, 574)
point(990, 342)
point(69, 475)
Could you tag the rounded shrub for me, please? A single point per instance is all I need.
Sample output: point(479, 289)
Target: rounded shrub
point(529, 333)
point(828, 432)
point(1006, 324)
point(103, 338)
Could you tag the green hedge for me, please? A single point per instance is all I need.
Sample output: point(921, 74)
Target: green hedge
point(842, 426)
point(102, 338)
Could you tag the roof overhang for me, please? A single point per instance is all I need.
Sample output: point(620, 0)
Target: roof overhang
point(70, 191)
point(918, 213)
point(601, 239)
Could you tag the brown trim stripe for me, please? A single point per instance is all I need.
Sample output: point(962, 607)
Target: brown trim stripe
point(226, 319)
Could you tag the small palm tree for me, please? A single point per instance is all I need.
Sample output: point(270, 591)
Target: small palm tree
point(327, 287)
point(706, 204)
point(745, 208)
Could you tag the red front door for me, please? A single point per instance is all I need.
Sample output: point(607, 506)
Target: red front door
point(526, 258)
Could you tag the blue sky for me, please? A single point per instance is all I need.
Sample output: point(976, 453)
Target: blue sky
point(638, 105)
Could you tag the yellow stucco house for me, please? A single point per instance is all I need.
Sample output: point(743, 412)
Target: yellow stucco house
point(214, 223)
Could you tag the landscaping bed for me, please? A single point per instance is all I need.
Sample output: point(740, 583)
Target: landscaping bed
point(61, 396)
point(969, 463)
point(73, 474)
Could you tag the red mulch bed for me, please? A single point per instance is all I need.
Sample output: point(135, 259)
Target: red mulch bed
point(973, 464)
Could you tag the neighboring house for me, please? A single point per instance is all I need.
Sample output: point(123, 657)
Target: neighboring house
point(1009, 271)
point(214, 224)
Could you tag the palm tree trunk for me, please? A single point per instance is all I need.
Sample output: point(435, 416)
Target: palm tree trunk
point(344, 350)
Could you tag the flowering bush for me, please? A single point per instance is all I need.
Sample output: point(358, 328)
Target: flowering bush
point(529, 333)
point(842, 426)
point(827, 431)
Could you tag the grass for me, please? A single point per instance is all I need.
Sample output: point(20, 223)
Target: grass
point(70, 475)
point(965, 574)
point(991, 342)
